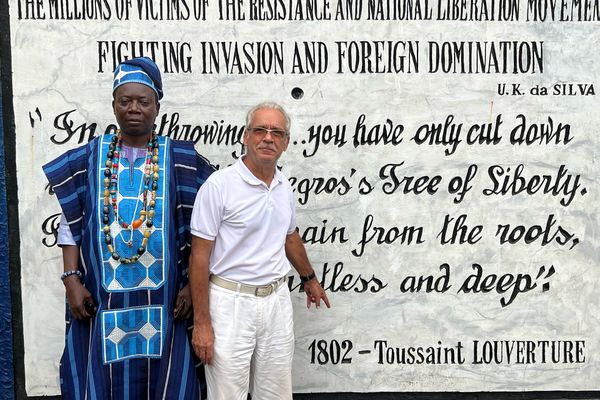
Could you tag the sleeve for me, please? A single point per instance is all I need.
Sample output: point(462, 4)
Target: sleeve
point(208, 212)
point(292, 226)
point(203, 168)
point(65, 237)
point(67, 176)
point(191, 171)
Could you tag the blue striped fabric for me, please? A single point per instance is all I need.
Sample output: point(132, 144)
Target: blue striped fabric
point(132, 348)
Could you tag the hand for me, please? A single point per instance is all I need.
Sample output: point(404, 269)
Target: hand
point(315, 293)
point(77, 297)
point(203, 339)
point(183, 304)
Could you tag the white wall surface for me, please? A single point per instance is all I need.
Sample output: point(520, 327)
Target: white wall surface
point(531, 298)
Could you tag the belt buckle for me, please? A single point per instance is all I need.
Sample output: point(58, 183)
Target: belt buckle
point(263, 291)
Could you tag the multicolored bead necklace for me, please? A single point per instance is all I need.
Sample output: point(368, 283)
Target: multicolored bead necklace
point(111, 178)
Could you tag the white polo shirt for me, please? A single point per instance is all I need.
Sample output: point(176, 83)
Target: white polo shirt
point(248, 222)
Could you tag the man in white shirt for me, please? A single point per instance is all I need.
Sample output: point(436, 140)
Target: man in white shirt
point(244, 233)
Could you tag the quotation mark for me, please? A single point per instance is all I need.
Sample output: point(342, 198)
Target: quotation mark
point(551, 271)
point(31, 117)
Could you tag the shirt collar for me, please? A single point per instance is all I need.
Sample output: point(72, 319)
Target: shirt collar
point(249, 177)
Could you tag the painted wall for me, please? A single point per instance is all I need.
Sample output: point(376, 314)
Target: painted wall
point(443, 156)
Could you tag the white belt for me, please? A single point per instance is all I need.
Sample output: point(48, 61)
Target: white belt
point(260, 291)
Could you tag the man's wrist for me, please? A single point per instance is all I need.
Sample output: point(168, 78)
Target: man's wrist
point(71, 273)
point(309, 277)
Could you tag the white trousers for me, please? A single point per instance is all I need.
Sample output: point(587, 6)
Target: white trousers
point(254, 345)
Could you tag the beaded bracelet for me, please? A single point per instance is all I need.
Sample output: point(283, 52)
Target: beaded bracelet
point(69, 273)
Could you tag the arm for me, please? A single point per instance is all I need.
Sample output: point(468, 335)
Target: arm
point(296, 253)
point(202, 335)
point(183, 303)
point(77, 294)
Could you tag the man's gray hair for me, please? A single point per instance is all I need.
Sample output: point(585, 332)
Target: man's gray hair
point(269, 105)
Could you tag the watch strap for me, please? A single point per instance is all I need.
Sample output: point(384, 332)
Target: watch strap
point(308, 278)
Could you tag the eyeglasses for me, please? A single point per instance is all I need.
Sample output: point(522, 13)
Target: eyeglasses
point(261, 131)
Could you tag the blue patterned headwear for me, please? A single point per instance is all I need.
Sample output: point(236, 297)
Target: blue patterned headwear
point(139, 70)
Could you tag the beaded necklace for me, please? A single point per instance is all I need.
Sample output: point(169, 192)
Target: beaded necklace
point(111, 178)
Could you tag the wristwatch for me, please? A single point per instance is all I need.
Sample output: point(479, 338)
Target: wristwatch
point(307, 278)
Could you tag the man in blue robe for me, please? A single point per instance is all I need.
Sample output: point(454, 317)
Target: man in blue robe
point(126, 201)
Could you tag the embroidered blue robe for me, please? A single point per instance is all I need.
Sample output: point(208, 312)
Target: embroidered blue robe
point(132, 348)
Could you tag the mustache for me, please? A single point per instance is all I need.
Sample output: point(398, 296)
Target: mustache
point(265, 146)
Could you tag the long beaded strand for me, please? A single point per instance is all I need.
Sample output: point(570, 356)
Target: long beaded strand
point(151, 174)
